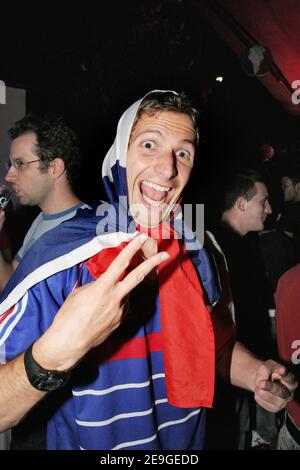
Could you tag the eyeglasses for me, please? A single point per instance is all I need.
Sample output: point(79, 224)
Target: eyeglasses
point(18, 164)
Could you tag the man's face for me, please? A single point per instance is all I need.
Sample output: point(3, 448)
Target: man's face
point(258, 208)
point(28, 183)
point(160, 158)
point(288, 188)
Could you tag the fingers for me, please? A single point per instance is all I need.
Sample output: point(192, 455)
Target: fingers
point(121, 262)
point(273, 405)
point(274, 367)
point(278, 372)
point(288, 379)
point(137, 275)
point(271, 402)
point(275, 388)
point(110, 279)
point(273, 396)
point(271, 370)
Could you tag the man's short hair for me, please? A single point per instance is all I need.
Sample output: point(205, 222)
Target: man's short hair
point(167, 101)
point(54, 140)
point(240, 185)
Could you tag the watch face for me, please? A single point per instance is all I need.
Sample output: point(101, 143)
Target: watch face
point(50, 383)
point(42, 379)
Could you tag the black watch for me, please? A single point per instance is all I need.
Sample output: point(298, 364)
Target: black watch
point(43, 379)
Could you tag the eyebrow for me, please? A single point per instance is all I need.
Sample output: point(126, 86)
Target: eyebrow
point(159, 134)
point(191, 142)
point(13, 159)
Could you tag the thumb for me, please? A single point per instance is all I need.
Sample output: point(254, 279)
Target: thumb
point(270, 370)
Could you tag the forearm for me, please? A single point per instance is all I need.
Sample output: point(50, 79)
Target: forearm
point(244, 366)
point(89, 315)
point(17, 396)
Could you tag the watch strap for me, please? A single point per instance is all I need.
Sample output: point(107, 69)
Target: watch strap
point(43, 379)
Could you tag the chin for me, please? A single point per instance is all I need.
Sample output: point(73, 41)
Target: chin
point(153, 220)
point(148, 220)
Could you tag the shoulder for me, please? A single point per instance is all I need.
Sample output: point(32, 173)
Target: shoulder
point(291, 278)
point(287, 295)
point(37, 221)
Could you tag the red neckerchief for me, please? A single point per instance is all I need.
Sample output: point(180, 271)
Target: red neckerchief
point(187, 331)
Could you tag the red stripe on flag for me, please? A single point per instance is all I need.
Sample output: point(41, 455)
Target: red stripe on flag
point(136, 348)
point(7, 314)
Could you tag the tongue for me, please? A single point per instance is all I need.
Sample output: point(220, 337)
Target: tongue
point(153, 193)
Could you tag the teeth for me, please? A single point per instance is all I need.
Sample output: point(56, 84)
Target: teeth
point(151, 201)
point(156, 186)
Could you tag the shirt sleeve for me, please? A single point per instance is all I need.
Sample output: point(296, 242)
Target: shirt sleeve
point(19, 255)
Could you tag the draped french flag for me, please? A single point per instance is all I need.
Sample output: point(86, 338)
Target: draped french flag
point(118, 397)
point(139, 389)
point(65, 246)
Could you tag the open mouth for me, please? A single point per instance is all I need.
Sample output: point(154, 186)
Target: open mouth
point(14, 189)
point(154, 194)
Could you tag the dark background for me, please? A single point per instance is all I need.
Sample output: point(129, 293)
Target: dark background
point(89, 61)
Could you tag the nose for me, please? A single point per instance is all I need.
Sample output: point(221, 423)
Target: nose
point(166, 165)
point(10, 175)
point(268, 208)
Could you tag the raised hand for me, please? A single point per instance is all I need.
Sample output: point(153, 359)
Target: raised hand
point(92, 312)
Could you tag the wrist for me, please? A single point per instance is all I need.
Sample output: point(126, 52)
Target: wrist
point(43, 379)
point(50, 357)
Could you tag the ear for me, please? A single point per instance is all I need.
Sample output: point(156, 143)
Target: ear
point(241, 203)
point(297, 188)
point(58, 167)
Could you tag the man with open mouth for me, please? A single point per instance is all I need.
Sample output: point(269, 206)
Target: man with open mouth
point(133, 344)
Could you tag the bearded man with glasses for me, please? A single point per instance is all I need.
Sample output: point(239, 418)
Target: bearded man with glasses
point(42, 168)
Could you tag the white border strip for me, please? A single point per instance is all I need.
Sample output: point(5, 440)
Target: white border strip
point(152, 438)
point(69, 260)
point(107, 391)
point(135, 414)
point(15, 321)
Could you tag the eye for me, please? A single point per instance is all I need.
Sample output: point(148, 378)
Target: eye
point(18, 163)
point(182, 153)
point(148, 144)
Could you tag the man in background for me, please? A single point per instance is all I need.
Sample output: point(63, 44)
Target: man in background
point(289, 221)
point(245, 209)
point(42, 169)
